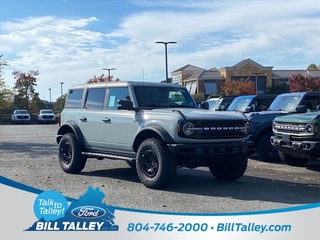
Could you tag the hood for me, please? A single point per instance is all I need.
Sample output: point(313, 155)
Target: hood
point(298, 118)
point(23, 114)
point(196, 113)
point(264, 113)
point(47, 114)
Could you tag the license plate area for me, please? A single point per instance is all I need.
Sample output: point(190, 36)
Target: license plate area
point(286, 138)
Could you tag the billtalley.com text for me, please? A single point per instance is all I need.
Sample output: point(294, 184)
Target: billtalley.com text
point(252, 227)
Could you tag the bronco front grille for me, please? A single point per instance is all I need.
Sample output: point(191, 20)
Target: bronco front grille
point(223, 129)
point(298, 129)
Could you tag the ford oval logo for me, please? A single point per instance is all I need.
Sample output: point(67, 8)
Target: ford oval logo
point(88, 212)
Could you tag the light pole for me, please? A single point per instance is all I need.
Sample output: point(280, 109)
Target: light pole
point(256, 81)
point(61, 89)
point(166, 55)
point(109, 69)
point(50, 97)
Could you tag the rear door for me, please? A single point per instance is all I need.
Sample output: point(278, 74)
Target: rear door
point(90, 119)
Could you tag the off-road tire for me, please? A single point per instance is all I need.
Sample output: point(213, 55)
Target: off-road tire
point(293, 161)
point(265, 150)
point(229, 170)
point(70, 158)
point(156, 166)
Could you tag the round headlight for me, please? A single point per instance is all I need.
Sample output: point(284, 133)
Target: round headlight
point(186, 128)
point(246, 127)
point(309, 129)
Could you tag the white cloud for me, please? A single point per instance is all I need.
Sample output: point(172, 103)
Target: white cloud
point(209, 34)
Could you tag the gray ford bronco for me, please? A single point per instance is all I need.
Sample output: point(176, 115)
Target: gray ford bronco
point(154, 127)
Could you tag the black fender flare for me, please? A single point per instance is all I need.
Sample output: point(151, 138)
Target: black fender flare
point(161, 132)
point(70, 127)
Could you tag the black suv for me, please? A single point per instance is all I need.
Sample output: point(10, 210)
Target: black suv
point(261, 122)
point(252, 103)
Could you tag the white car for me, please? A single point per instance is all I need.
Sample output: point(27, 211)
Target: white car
point(46, 116)
point(20, 116)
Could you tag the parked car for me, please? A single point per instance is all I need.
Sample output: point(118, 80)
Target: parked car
point(261, 122)
point(154, 127)
point(219, 103)
point(252, 103)
point(46, 116)
point(297, 136)
point(20, 116)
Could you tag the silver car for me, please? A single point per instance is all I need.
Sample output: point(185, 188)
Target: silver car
point(20, 116)
point(46, 116)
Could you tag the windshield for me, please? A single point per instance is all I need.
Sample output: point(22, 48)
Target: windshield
point(285, 103)
point(22, 112)
point(240, 103)
point(46, 112)
point(163, 97)
point(213, 103)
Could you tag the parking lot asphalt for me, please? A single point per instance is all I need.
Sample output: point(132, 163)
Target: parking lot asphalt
point(28, 155)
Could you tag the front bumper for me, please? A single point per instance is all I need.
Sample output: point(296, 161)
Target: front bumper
point(308, 149)
point(22, 120)
point(47, 120)
point(214, 150)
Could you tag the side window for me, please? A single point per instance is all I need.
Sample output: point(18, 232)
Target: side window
point(74, 98)
point(114, 94)
point(311, 103)
point(95, 98)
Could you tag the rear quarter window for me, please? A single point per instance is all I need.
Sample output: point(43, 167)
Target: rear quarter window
point(74, 99)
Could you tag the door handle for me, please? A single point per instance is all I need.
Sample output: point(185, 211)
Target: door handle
point(83, 119)
point(107, 120)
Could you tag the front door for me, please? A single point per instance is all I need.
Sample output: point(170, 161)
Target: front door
point(116, 124)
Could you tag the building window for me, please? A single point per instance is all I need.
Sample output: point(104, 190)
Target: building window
point(188, 86)
point(193, 88)
point(210, 88)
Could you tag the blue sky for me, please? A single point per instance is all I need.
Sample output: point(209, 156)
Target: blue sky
point(70, 41)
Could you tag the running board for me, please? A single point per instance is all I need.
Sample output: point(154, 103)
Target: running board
point(102, 155)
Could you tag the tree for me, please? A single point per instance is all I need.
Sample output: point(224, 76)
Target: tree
point(199, 96)
point(5, 97)
point(299, 83)
point(36, 104)
point(24, 85)
point(102, 78)
point(3, 65)
point(59, 105)
point(167, 81)
point(312, 67)
point(5, 92)
point(238, 87)
point(282, 88)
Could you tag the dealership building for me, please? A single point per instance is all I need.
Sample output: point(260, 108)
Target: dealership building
point(199, 80)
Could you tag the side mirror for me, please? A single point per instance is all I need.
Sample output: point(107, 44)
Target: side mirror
point(264, 108)
point(204, 105)
point(301, 109)
point(318, 108)
point(125, 104)
point(248, 109)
